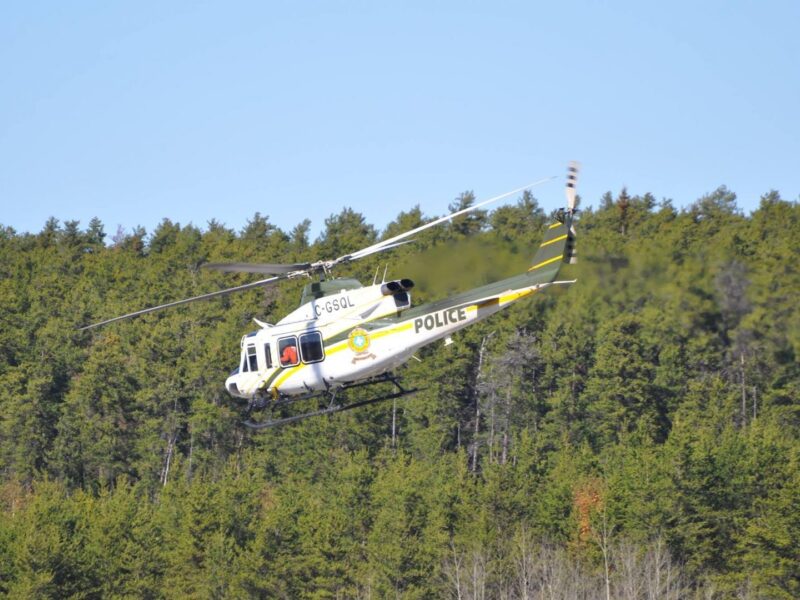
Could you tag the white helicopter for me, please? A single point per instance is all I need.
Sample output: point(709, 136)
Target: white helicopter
point(346, 335)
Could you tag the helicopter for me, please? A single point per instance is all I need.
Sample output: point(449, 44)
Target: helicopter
point(346, 335)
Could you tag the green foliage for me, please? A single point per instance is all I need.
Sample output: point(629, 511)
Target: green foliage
point(621, 393)
point(645, 418)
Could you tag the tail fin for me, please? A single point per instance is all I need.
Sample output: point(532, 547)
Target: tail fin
point(558, 245)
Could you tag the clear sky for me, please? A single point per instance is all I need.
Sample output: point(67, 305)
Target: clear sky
point(136, 111)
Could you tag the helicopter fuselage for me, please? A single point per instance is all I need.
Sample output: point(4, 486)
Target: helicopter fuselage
point(358, 333)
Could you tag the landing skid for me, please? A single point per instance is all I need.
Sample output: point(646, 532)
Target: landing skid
point(333, 407)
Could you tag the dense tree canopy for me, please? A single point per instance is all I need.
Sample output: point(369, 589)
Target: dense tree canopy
point(632, 436)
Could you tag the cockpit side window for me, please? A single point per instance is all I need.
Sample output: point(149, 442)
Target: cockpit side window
point(252, 359)
point(268, 355)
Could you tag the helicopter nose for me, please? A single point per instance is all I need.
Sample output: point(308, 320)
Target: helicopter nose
point(230, 385)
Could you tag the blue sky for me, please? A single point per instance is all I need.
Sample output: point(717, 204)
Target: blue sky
point(133, 112)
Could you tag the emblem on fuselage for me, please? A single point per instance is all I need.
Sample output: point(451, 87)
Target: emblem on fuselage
point(359, 342)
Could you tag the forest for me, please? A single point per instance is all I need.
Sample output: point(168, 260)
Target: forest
point(633, 435)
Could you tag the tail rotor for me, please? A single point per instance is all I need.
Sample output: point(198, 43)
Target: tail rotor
point(570, 253)
point(572, 181)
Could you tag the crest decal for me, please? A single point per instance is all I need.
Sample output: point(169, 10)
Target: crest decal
point(358, 342)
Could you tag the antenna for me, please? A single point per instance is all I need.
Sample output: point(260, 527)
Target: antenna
point(375, 277)
point(386, 268)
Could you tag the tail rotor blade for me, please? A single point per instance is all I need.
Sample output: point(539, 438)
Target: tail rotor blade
point(572, 181)
point(572, 202)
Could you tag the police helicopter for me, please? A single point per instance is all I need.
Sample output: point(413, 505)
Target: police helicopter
point(346, 335)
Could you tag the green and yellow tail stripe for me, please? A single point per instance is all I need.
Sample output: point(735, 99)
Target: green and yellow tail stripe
point(544, 263)
point(554, 240)
point(551, 252)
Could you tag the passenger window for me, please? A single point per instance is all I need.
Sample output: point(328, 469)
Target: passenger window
point(287, 347)
point(311, 347)
point(252, 360)
point(268, 356)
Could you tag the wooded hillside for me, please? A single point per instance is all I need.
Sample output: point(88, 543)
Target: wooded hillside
point(634, 435)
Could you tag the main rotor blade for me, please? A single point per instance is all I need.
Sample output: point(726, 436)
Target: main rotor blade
point(289, 271)
point(264, 268)
point(144, 311)
point(392, 241)
point(366, 252)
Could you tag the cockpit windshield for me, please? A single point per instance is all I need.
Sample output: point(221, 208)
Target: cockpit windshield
point(249, 359)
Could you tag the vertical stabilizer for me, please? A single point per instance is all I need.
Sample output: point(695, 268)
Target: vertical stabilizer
point(558, 245)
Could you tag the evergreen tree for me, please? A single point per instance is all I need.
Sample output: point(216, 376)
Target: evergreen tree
point(635, 431)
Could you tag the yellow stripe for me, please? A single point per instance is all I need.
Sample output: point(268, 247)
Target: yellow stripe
point(554, 225)
point(286, 374)
point(516, 296)
point(338, 347)
point(545, 262)
point(501, 299)
point(554, 240)
point(403, 327)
